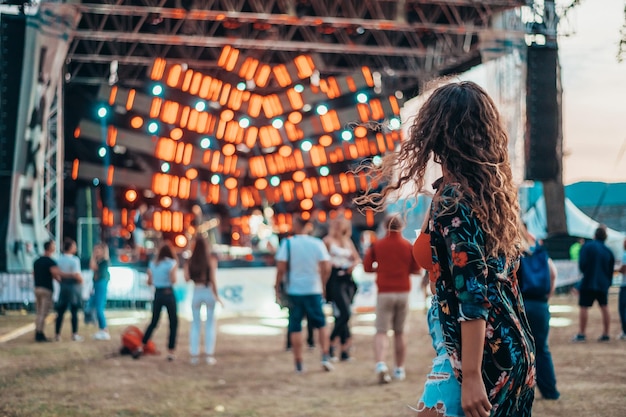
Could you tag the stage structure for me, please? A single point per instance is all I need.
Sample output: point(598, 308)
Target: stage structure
point(338, 57)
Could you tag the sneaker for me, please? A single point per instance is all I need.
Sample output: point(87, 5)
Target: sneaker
point(77, 338)
point(621, 336)
point(101, 335)
point(345, 356)
point(41, 338)
point(327, 365)
point(194, 360)
point(57, 338)
point(604, 338)
point(383, 373)
point(579, 338)
point(299, 368)
point(210, 360)
point(399, 374)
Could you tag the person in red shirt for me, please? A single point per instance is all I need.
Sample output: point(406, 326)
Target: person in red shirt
point(392, 259)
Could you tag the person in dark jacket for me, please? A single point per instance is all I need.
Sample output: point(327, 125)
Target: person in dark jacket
point(596, 263)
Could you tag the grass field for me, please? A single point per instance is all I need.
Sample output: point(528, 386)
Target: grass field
point(254, 376)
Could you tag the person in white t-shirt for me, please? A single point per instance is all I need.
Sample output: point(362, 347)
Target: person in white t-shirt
point(306, 277)
point(71, 289)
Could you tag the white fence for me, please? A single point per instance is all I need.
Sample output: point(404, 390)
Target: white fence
point(241, 289)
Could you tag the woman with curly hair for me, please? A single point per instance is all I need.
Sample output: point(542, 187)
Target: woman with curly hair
point(474, 249)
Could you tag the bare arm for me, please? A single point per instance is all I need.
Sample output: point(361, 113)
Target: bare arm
point(149, 273)
point(56, 273)
point(213, 284)
point(93, 264)
point(474, 398)
point(173, 273)
point(186, 272)
point(325, 270)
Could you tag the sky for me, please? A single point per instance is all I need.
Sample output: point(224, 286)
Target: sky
point(594, 93)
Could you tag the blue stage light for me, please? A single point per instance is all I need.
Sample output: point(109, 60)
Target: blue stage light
point(306, 145)
point(299, 88)
point(244, 122)
point(157, 90)
point(102, 112)
point(216, 179)
point(346, 135)
point(205, 143)
point(165, 167)
point(200, 106)
point(102, 152)
point(153, 127)
point(277, 123)
point(324, 171)
point(321, 109)
point(275, 181)
point(361, 98)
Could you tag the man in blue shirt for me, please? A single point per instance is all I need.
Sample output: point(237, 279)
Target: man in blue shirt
point(596, 262)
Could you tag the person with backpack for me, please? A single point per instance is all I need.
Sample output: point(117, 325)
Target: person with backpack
point(537, 276)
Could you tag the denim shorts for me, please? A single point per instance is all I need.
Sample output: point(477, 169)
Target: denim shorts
point(442, 390)
point(309, 306)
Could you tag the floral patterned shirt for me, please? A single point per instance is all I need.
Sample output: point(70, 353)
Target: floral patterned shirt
point(472, 285)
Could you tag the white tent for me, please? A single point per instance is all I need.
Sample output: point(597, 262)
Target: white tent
point(578, 224)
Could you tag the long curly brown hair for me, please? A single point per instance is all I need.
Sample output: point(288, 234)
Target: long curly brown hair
point(459, 127)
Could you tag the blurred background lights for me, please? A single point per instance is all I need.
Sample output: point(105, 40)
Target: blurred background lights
point(275, 181)
point(131, 195)
point(241, 86)
point(336, 199)
point(165, 167)
point(102, 112)
point(244, 122)
point(361, 98)
point(321, 109)
point(102, 152)
point(200, 106)
point(205, 143)
point(95, 182)
point(306, 145)
point(299, 88)
point(215, 179)
point(346, 135)
point(277, 123)
point(394, 124)
point(306, 107)
point(157, 89)
point(180, 241)
point(166, 201)
point(324, 171)
point(377, 160)
point(153, 127)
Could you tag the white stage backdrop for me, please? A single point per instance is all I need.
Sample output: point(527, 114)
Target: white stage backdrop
point(46, 43)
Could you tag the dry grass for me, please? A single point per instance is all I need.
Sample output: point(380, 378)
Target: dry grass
point(254, 376)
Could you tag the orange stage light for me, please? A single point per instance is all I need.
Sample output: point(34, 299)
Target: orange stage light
point(192, 173)
point(136, 122)
point(298, 176)
point(260, 184)
point(230, 183)
point(166, 201)
point(176, 133)
point(158, 69)
point(304, 65)
point(284, 151)
point(306, 215)
point(227, 115)
point(75, 169)
point(336, 199)
point(306, 204)
point(173, 78)
point(131, 196)
point(360, 131)
point(229, 149)
point(112, 95)
point(130, 99)
point(180, 241)
point(295, 117)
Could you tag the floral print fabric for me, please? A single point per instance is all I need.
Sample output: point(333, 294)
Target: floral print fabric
point(471, 286)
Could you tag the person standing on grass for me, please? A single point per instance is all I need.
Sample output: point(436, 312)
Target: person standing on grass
point(341, 288)
point(45, 270)
point(475, 244)
point(70, 294)
point(201, 269)
point(99, 264)
point(309, 268)
point(596, 262)
point(622, 295)
point(391, 258)
point(162, 274)
point(537, 309)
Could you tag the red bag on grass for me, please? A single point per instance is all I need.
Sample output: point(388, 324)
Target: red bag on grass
point(131, 342)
